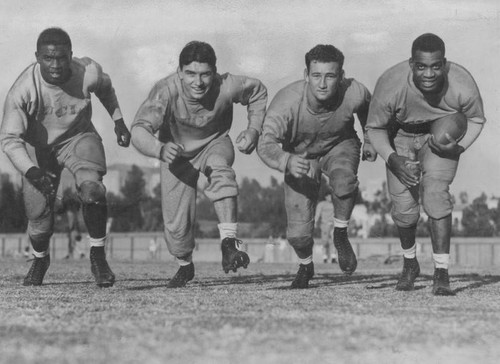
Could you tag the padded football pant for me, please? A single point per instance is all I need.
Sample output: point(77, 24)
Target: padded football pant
point(340, 165)
point(437, 175)
point(84, 157)
point(178, 191)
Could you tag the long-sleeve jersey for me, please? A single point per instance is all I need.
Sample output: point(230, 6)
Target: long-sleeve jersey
point(396, 99)
point(291, 127)
point(45, 115)
point(194, 123)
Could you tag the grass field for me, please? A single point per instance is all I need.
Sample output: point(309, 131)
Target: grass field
point(247, 317)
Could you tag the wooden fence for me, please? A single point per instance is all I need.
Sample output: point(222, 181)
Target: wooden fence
point(136, 246)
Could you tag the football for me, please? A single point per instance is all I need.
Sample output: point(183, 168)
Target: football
point(455, 125)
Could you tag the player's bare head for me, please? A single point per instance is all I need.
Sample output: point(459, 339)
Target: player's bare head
point(429, 43)
point(200, 52)
point(53, 36)
point(324, 53)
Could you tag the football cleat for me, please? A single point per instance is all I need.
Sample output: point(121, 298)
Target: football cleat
point(304, 274)
point(346, 257)
point(37, 271)
point(99, 267)
point(411, 270)
point(183, 275)
point(441, 283)
point(232, 257)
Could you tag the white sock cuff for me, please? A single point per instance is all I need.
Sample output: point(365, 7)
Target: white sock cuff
point(41, 254)
point(228, 230)
point(97, 242)
point(185, 261)
point(411, 252)
point(306, 261)
point(441, 260)
point(340, 223)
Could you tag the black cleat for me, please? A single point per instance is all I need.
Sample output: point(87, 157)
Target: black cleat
point(99, 267)
point(232, 257)
point(441, 283)
point(411, 270)
point(183, 275)
point(304, 274)
point(346, 257)
point(37, 271)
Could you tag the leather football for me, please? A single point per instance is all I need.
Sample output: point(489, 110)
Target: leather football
point(455, 125)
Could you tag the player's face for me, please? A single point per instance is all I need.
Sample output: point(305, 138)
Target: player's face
point(428, 71)
point(197, 78)
point(55, 63)
point(323, 79)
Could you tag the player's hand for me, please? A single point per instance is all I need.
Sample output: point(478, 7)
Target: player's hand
point(398, 165)
point(122, 133)
point(170, 151)
point(369, 152)
point(42, 181)
point(247, 140)
point(297, 165)
point(450, 150)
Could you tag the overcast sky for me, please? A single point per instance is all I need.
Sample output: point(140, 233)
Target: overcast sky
point(138, 42)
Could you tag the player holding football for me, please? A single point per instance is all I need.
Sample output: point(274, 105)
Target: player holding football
point(47, 126)
point(309, 130)
point(407, 99)
point(192, 110)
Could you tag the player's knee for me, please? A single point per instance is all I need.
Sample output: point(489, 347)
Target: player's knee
point(437, 204)
point(299, 242)
point(405, 220)
point(92, 192)
point(343, 182)
point(39, 237)
point(222, 184)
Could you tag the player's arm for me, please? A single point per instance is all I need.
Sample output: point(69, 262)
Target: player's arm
point(106, 93)
point(369, 152)
point(13, 129)
point(253, 94)
point(147, 122)
point(472, 108)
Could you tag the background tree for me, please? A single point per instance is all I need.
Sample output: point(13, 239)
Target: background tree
point(478, 219)
point(12, 215)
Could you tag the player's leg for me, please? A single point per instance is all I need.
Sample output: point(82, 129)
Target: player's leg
point(84, 157)
point(341, 167)
point(436, 199)
point(301, 195)
point(178, 199)
point(405, 213)
point(215, 162)
point(40, 215)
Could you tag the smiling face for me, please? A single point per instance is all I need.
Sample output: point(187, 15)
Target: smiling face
point(197, 79)
point(55, 63)
point(323, 79)
point(428, 71)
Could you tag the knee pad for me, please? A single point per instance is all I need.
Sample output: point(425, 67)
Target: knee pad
point(343, 182)
point(92, 192)
point(437, 204)
point(301, 241)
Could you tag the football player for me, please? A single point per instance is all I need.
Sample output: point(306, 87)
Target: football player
point(46, 127)
point(408, 97)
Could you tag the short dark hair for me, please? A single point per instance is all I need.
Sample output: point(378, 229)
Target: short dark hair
point(324, 53)
point(53, 36)
point(427, 42)
point(197, 51)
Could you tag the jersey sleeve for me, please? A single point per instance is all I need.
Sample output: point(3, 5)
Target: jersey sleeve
point(276, 131)
point(103, 88)
point(470, 98)
point(149, 119)
point(17, 110)
point(253, 94)
point(363, 105)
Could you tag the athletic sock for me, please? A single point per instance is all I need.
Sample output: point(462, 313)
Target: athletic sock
point(185, 260)
point(41, 254)
point(441, 260)
point(337, 223)
point(306, 261)
point(410, 253)
point(227, 230)
point(97, 242)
